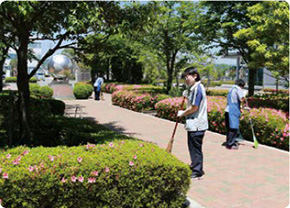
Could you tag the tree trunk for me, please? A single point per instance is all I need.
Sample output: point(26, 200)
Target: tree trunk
point(251, 81)
point(108, 69)
point(23, 90)
point(2, 61)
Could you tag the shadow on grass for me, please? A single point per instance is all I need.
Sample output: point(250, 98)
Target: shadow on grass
point(75, 131)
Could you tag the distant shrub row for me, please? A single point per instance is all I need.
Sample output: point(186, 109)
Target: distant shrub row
point(14, 79)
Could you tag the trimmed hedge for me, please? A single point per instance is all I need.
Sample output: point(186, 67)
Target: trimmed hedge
point(44, 114)
point(40, 92)
point(217, 92)
point(271, 126)
point(281, 91)
point(136, 102)
point(14, 79)
point(116, 174)
point(82, 90)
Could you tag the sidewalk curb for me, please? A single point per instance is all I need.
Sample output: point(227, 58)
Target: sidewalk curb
point(193, 204)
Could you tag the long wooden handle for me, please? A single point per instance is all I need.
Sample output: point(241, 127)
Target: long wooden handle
point(176, 123)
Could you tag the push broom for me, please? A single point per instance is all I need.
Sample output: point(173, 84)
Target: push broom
point(256, 143)
point(170, 143)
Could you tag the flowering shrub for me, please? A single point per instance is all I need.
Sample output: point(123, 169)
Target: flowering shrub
point(115, 174)
point(167, 108)
point(113, 87)
point(271, 126)
point(279, 103)
point(132, 101)
point(136, 101)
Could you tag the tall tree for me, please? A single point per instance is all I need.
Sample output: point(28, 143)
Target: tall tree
point(268, 36)
point(172, 33)
point(218, 23)
point(35, 20)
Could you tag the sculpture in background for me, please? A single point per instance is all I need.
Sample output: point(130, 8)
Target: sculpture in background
point(60, 66)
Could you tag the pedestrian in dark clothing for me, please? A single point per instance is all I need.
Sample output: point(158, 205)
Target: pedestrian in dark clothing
point(97, 87)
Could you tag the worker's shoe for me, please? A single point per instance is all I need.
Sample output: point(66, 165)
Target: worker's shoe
point(234, 147)
point(195, 176)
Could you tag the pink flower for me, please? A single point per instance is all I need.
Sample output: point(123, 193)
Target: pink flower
point(131, 163)
point(63, 180)
point(81, 179)
point(51, 157)
point(91, 180)
point(107, 169)
point(5, 176)
point(16, 162)
point(0, 201)
point(73, 179)
point(111, 144)
point(141, 145)
point(95, 173)
point(135, 157)
point(25, 152)
point(80, 159)
point(30, 168)
point(42, 165)
point(90, 146)
point(8, 156)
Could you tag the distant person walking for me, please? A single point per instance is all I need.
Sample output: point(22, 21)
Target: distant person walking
point(196, 119)
point(233, 113)
point(98, 87)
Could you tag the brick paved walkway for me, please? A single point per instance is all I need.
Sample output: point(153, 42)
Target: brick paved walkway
point(246, 178)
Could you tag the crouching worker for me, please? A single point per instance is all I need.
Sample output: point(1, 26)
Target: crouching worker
point(233, 113)
point(196, 119)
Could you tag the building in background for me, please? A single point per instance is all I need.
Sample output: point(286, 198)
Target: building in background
point(263, 78)
point(12, 70)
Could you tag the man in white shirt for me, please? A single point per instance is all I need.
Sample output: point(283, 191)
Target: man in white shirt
point(233, 113)
point(97, 87)
point(196, 119)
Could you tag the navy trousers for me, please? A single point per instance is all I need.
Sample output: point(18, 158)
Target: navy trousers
point(232, 134)
point(194, 140)
point(97, 93)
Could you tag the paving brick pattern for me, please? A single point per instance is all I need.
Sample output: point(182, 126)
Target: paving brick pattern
point(246, 178)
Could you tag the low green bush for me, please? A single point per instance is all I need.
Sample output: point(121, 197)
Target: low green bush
point(46, 92)
point(10, 79)
point(217, 92)
point(82, 91)
point(271, 126)
point(33, 80)
point(34, 90)
point(116, 174)
point(37, 91)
